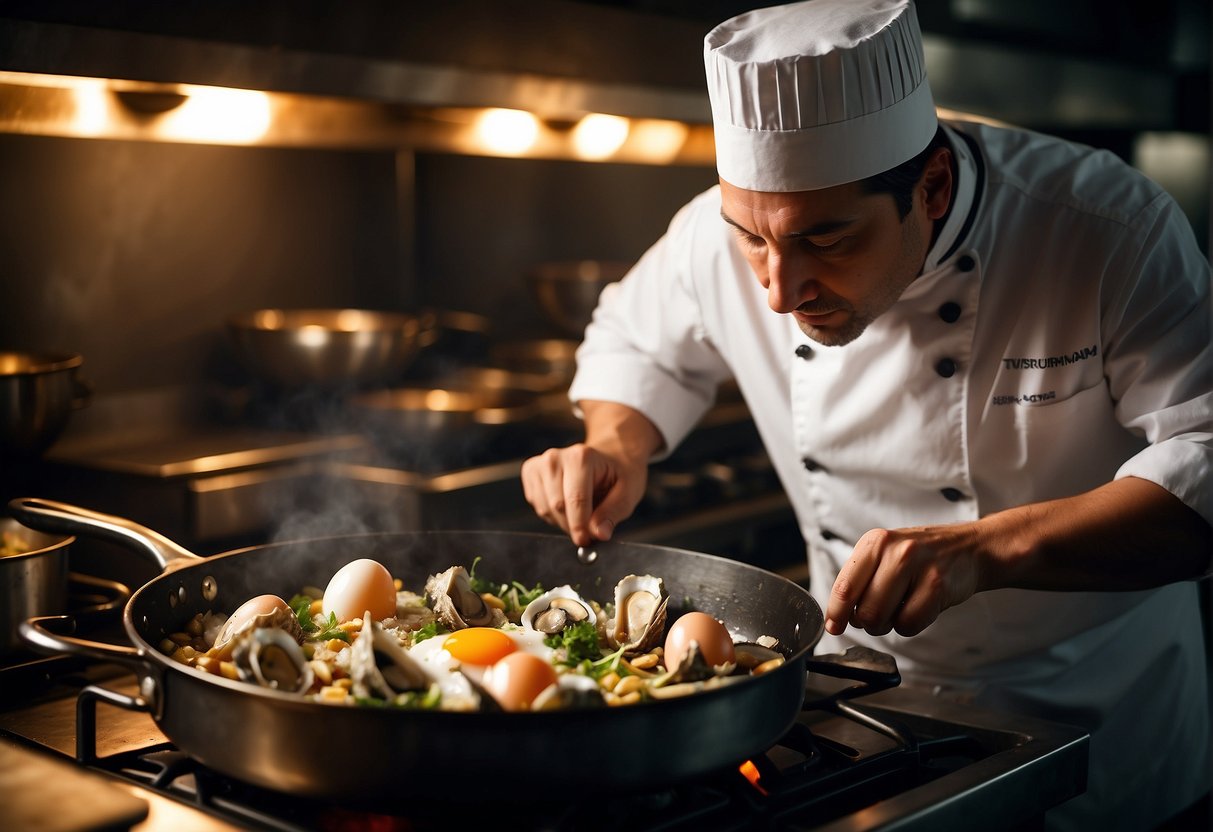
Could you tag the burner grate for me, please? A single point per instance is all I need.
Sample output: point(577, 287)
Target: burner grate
point(815, 774)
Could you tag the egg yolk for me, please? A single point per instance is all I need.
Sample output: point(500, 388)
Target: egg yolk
point(479, 645)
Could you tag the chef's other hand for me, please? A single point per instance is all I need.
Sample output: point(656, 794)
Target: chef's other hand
point(903, 579)
point(583, 490)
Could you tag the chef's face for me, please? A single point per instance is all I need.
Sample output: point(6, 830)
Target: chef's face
point(837, 258)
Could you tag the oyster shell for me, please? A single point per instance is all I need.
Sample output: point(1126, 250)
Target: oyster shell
point(754, 654)
point(570, 690)
point(556, 609)
point(379, 666)
point(279, 616)
point(640, 611)
point(270, 657)
point(456, 604)
point(693, 668)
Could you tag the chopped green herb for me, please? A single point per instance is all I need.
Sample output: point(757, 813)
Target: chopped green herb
point(515, 595)
point(417, 700)
point(426, 700)
point(479, 585)
point(579, 643)
point(302, 606)
point(331, 630)
point(428, 631)
point(606, 664)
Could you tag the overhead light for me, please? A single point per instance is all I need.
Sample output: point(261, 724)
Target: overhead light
point(658, 141)
point(91, 113)
point(217, 114)
point(597, 135)
point(506, 132)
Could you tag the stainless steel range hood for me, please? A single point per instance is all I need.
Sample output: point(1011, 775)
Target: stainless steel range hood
point(554, 58)
point(380, 73)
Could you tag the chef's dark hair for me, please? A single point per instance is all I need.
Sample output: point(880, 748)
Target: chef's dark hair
point(899, 182)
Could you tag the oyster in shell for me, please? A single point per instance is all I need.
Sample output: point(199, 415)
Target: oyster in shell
point(556, 609)
point(570, 690)
point(456, 604)
point(752, 655)
point(380, 667)
point(640, 612)
point(693, 668)
point(270, 657)
point(261, 612)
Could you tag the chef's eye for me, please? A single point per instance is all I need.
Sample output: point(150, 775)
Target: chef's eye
point(748, 240)
point(827, 245)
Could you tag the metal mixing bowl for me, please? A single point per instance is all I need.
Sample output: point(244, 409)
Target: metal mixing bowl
point(554, 359)
point(38, 392)
point(567, 292)
point(291, 348)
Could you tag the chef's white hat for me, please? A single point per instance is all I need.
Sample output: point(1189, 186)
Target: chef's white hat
point(817, 93)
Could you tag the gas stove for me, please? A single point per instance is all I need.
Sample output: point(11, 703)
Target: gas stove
point(900, 758)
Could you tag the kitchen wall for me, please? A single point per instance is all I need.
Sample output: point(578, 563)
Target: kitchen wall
point(483, 223)
point(134, 253)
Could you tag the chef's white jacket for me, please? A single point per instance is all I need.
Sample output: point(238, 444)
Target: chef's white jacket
point(1057, 338)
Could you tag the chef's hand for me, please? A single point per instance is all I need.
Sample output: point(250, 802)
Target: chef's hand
point(587, 489)
point(1103, 540)
point(902, 579)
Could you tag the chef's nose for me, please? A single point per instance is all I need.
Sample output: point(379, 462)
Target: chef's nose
point(789, 283)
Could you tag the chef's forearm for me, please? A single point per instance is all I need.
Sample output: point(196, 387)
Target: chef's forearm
point(620, 431)
point(1128, 534)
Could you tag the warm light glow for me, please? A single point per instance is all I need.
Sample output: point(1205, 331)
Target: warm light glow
point(218, 114)
point(750, 772)
point(269, 319)
point(438, 400)
point(657, 140)
point(508, 132)
point(313, 335)
point(597, 135)
point(92, 107)
point(350, 320)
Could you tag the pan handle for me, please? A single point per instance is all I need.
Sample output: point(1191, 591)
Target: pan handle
point(62, 518)
point(872, 669)
point(37, 632)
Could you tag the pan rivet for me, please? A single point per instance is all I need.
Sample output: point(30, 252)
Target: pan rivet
point(172, 599)
point(181, 596)
point(209, 588)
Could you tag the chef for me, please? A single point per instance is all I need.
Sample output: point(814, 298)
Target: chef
point(980, 361)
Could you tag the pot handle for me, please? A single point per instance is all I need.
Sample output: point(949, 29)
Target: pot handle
point(111, 596)
point(62, 518)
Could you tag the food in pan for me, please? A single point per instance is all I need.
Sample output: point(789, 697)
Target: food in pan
point(464, 643)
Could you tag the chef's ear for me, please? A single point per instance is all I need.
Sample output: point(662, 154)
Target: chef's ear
point(936, 185)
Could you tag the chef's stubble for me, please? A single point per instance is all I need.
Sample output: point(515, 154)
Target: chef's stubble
point(886, 292)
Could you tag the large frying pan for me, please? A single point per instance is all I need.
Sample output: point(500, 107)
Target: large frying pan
point(281, 742)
